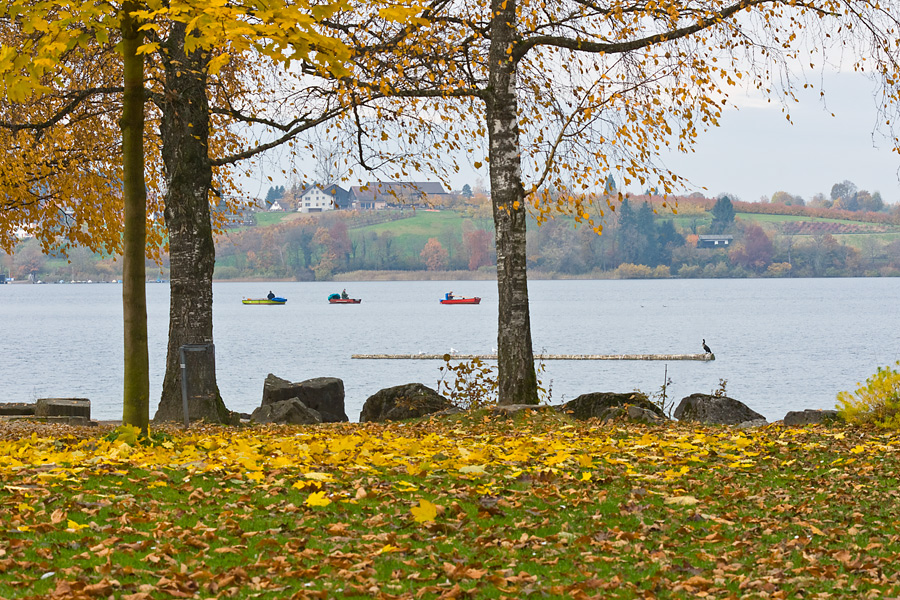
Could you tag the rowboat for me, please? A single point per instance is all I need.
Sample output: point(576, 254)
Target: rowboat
point(274, 301)
point(454, 300)
point(344, 300)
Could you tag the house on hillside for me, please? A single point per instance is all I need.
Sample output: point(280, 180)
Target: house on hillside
point(315, 199)
point(377, 195)
point(276, 207)
point(714, 241)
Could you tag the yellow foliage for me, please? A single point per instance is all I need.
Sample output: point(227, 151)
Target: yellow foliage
point(317, 499)
point(877, 402)
point(424, 512)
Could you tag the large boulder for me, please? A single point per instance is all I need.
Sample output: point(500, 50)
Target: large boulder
point(797, 418)
point(722, 410)
point(599, 404)
point(409, 401)
point(324, 395)
point(287, 412)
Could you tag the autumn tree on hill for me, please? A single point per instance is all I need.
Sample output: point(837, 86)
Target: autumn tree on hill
point(559, 96)
point(434, 255)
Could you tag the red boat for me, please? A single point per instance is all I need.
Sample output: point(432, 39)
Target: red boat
point(474, 300)
point(344, 300)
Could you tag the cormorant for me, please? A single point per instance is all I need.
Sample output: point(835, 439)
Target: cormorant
point(705, 347)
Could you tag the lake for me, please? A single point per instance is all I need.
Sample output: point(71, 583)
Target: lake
point(781, 344)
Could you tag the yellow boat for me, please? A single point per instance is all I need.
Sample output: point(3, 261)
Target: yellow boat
point(275, 301)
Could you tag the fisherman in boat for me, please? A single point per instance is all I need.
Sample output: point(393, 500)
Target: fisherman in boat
point(270, 295)
point(448, 296)
point(344, 294)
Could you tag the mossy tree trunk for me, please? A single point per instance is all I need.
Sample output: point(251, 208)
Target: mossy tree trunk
point(136, 407)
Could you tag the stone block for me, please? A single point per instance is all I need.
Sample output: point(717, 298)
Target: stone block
point(63, 407)
point(16, 408)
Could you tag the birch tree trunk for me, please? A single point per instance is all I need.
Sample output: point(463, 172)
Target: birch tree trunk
point(185, 133)
point(136, 402)
point(515, 357)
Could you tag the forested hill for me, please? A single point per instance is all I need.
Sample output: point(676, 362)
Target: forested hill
point(642, 239)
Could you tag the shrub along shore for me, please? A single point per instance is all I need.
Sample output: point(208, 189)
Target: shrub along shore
point(465, 506)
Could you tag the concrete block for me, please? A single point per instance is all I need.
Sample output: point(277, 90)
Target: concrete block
point(16, 408)
point(63, 407)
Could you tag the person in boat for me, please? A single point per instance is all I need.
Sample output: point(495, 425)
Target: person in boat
point(344, 294)
point(448, 296)
point(270, 295)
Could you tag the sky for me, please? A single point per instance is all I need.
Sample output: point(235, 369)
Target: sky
point(756, 152)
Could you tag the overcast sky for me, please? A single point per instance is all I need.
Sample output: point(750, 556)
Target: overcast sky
point(757, 152)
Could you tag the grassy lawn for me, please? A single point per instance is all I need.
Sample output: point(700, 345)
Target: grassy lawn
point(473, 507)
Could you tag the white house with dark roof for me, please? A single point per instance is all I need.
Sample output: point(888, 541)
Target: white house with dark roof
point(316, 199)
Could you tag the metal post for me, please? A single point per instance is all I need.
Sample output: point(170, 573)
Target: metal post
point(184, 384)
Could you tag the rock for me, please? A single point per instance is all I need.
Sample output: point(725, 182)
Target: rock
point(286, 412)
point(63, 407)
point(324, 395)
point(796, 418)
point(409, 401)
point(632, 413)
point(722, 410)
point(752, 424)
point(595, 404)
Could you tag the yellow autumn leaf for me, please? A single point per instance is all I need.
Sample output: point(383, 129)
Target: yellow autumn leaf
point(586, 476)
point(70, 524)
point(424, 512)
point(317, 499)
point(319, 476)
point(682, 500)
point(472, 470)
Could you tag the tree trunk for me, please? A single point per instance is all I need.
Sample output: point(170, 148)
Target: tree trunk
point(515, 357)
point(136, 404)
point(184, 130)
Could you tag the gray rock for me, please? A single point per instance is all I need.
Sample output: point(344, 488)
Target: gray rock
point(796, 418)
point(286, 412)
point(325, 395)
point(595, 404)
point(409, 401)
point(752, 424)
point(722, 410)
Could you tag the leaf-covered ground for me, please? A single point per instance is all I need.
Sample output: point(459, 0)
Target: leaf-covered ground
point(477, 508)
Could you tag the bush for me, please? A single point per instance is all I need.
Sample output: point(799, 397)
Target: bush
point(630, 271)
point(877, 402)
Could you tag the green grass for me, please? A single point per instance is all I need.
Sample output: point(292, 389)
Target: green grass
point(536, 506)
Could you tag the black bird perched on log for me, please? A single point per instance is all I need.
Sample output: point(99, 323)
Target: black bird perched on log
point(705, 347)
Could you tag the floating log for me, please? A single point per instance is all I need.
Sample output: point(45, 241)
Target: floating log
point(702, 357)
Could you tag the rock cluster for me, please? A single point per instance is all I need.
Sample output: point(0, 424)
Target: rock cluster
point(318, 400)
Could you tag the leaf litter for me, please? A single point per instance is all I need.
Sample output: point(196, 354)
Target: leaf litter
point(542, 507)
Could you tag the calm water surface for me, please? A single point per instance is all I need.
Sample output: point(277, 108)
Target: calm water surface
point(781, 344)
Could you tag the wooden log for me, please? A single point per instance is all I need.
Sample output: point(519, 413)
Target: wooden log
point(701, 357)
